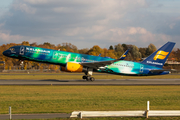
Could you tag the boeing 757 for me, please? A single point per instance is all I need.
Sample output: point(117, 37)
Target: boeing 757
point(75, 62)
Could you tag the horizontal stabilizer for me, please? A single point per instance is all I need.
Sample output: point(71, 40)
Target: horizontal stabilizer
point(160, 70)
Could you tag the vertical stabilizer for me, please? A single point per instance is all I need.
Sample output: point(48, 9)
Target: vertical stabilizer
point(159, 57)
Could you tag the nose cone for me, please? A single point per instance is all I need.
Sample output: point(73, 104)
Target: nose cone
point(6, 53)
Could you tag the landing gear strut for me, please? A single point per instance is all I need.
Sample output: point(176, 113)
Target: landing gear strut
point(88, 75)
point(22, 64)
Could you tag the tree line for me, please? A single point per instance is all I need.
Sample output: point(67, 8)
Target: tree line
point(135, 53)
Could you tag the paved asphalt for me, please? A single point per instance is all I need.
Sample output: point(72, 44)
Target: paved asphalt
point(96, 82)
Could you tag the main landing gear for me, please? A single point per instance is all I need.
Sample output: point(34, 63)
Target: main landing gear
point(88, 78)
point(88, 75)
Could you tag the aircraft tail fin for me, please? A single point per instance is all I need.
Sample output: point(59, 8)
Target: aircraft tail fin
point(159, 57)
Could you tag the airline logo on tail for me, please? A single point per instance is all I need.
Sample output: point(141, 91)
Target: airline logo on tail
point(124, 56)
point(160, 55)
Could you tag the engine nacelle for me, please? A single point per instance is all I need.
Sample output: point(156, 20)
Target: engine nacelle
point(72, 67)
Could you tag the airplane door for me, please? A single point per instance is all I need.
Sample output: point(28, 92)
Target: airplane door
point(141, 68)
point(55, 55)
point(21, 50)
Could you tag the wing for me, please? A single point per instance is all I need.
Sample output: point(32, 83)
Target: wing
point(96, 65)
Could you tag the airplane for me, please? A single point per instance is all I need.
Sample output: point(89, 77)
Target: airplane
point(75, 62)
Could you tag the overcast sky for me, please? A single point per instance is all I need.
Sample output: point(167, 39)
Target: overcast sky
point(86, 23)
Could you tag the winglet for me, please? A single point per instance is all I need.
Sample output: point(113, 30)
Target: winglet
point(124, 55)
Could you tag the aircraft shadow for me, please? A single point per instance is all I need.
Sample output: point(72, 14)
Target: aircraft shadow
point(54, 80)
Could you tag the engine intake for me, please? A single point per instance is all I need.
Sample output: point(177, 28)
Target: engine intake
point(73, 67)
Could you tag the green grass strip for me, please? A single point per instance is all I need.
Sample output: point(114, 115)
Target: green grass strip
point(65, 99)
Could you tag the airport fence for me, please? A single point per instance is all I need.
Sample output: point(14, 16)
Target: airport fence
point(143, 113)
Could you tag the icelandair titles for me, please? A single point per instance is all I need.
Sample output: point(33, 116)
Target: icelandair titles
point(37, 50)
point(156, 63)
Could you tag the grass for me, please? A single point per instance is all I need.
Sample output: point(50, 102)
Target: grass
point(65, 99)
point(71, 76)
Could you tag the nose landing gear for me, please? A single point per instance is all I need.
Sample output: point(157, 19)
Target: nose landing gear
point(22, 64)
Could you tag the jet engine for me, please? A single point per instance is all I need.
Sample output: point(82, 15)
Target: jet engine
point(73, 67)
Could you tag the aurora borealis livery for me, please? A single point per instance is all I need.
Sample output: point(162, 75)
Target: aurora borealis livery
point(75, 62)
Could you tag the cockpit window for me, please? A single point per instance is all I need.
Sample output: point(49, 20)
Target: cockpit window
point(12, 49)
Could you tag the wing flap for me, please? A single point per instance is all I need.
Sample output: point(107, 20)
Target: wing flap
point(96, 65)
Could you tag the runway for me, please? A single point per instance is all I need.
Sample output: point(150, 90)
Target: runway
point(96, 82)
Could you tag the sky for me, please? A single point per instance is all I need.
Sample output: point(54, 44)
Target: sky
point(85, 23)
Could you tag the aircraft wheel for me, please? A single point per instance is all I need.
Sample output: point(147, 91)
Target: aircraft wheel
point(92, 79)
point(84, 77)
point(88, 78)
